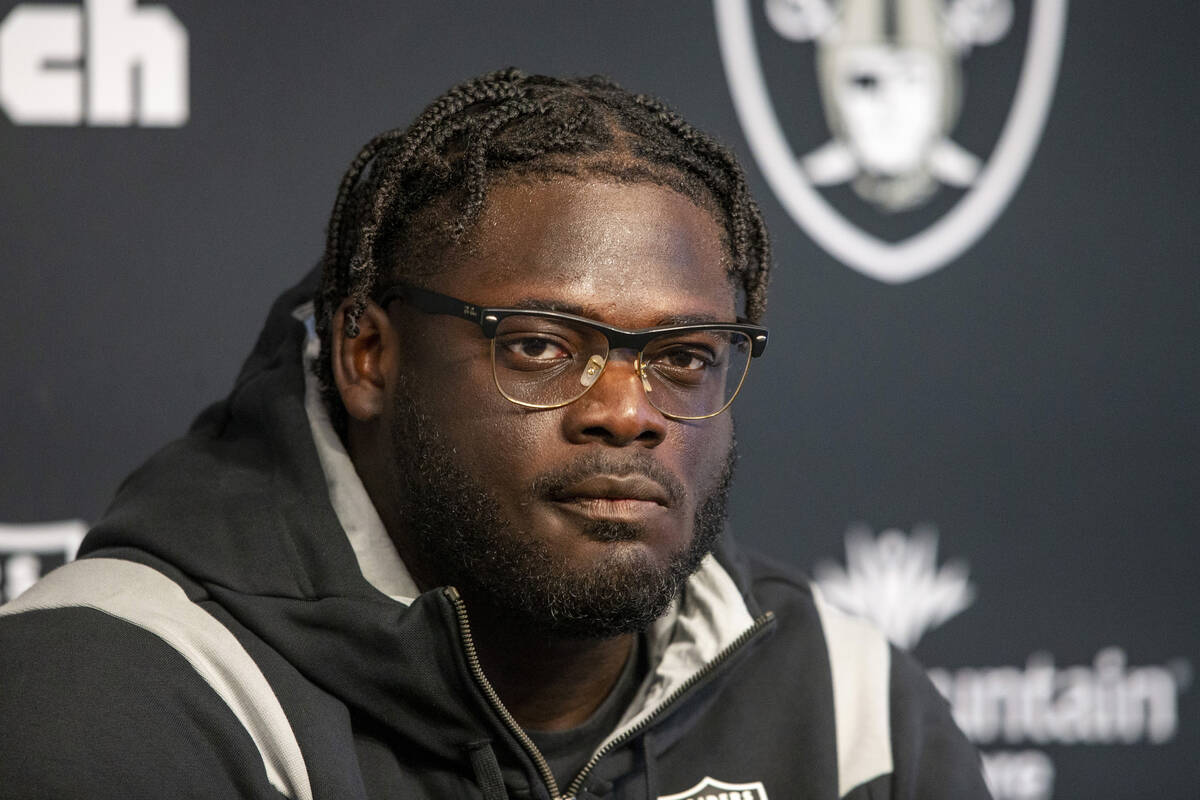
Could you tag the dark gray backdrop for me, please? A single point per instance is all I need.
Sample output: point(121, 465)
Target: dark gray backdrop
point(1033, 400)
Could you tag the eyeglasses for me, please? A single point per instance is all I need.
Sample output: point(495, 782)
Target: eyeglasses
point(547, 359)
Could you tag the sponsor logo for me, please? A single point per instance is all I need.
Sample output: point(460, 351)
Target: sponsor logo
point(893, 580)
point(888, 75)
point(1104, 702)
point(713, 789)
point(109, 62)
point(29, 551)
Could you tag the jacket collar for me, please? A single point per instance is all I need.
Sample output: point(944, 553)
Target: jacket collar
point(377, 558)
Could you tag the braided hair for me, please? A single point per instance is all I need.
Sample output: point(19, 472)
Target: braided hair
point(412, 192)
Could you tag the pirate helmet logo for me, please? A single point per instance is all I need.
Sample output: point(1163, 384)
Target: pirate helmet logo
point(890, 83)
point(713, 789)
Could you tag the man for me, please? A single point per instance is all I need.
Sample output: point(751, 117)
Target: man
point(456, 532)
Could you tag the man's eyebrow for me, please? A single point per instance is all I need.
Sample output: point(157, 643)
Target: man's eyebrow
point(690, 319)
point(542, 304)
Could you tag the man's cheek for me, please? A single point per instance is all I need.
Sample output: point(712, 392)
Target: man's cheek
point(499, 452)
point(705, 451)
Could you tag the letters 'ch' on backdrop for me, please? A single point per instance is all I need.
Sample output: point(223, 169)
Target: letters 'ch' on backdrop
point(977, 424)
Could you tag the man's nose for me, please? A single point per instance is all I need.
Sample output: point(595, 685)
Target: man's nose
point(616, 410)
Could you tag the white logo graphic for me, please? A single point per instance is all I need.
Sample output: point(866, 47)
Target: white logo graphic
point(895, 582)
point(713, 789)
point(130, 67)
point(890, 80)
point(23, 546)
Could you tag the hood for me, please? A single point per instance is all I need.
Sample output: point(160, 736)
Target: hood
point(259, 509)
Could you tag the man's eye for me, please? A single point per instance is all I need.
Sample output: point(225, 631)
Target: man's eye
point(681, 358)
point(535, 348)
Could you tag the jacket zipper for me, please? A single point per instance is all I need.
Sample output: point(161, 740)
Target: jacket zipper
point(682, 689)
point(485, 686)
point(539, 761)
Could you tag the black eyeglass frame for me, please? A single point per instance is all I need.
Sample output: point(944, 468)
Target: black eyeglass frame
point(488, 318)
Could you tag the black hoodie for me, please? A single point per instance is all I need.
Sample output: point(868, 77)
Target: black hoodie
point(238, 625)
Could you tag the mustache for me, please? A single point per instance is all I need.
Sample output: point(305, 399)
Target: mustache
point(556, 481)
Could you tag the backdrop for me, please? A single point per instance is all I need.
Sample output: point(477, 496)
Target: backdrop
point(975, 422)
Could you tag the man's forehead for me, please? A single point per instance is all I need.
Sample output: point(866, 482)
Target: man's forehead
point(539, 303)
point(588, 246)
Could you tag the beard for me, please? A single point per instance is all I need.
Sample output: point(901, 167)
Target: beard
point(464, 537)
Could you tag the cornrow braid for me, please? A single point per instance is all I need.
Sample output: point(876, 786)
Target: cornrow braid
point(412, 192)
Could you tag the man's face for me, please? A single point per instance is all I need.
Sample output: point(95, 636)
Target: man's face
point(583, 519)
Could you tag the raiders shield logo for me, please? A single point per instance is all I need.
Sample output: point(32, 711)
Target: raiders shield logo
point(852, 109)
point(713, 789)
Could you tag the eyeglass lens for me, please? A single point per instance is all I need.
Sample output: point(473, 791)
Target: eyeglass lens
point(545, 362)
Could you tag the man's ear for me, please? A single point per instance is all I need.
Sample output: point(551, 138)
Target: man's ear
point(362, 364)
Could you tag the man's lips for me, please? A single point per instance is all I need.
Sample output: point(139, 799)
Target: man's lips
point(626, 498)
point(603, 490)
